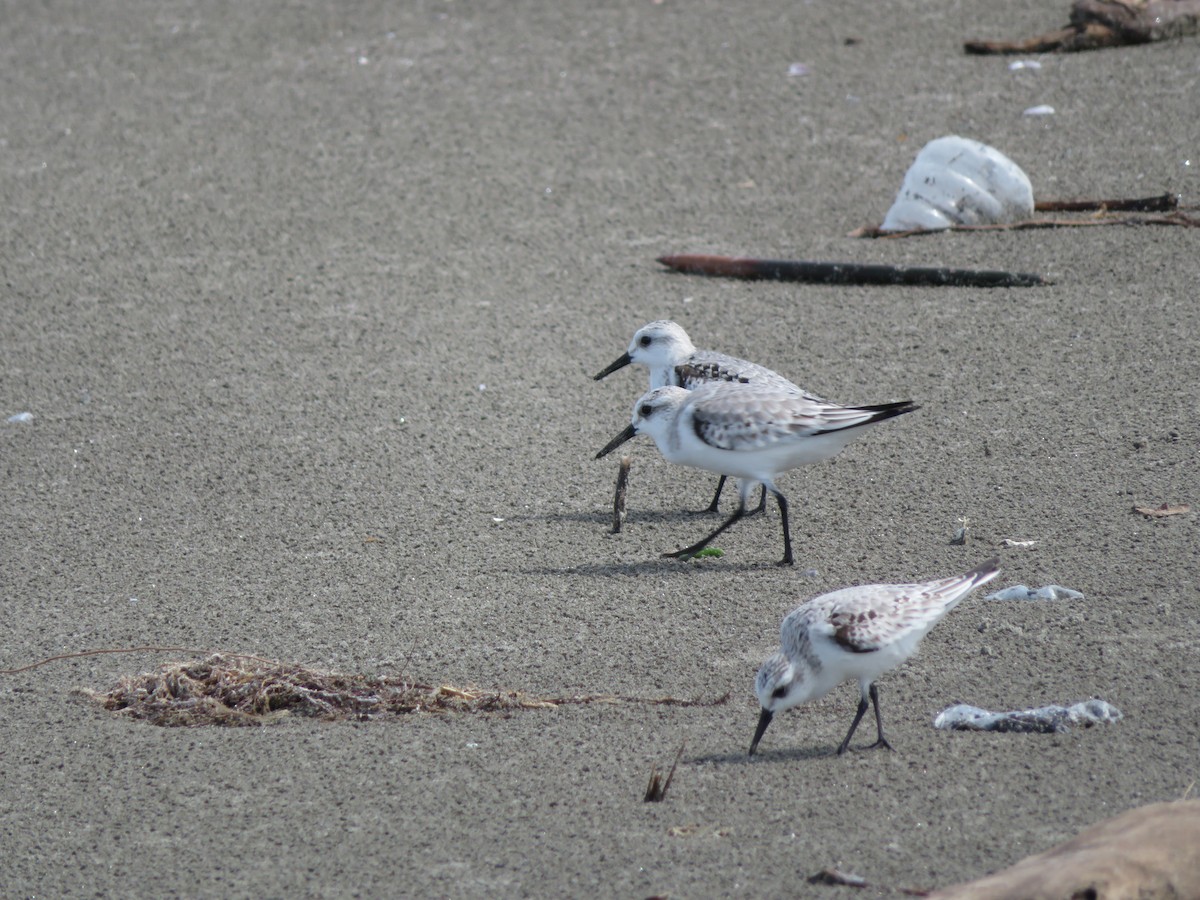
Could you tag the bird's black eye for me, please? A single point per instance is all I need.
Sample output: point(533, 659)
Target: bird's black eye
point(645, 410)
point(646, 340)
point(779, 693)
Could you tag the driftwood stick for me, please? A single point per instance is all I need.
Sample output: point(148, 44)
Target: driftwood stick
point(1175, 218)
point(844, 273)
point(1160, 203)
point(1106, 23)
point(619, 496)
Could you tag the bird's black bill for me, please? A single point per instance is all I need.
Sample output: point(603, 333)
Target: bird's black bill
point(629, 433)
point(763, 721)
point(621, 362)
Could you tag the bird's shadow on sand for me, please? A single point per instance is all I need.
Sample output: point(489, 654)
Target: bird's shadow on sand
point(604, 519)
point(764, 757)
point(662, 566)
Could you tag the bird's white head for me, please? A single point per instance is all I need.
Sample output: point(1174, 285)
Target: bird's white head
point(660, 346)
point(653, 414)
point(779, 685)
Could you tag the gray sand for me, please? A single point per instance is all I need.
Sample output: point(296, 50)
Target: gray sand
point(305, 300)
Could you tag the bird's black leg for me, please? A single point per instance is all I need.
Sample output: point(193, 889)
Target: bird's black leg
point(716, 500)
point(882, 741)
point(862, 710)
point(873, 693)
point(695, 548)
point(788, 559)
point(715, 507)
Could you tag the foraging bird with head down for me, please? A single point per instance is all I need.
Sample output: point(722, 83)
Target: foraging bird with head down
point(855, 634)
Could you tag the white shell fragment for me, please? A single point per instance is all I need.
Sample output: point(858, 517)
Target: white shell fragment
point(1043, 720)
point(956, 181)
point(1043, 110)
point(20, 418)
point(1049, 592)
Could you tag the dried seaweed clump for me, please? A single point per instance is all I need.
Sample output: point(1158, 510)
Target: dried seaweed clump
point(238, 690)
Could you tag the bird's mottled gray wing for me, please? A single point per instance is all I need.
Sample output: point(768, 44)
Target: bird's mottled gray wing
point(732, 416)
point(866, 618)
point(706, 366)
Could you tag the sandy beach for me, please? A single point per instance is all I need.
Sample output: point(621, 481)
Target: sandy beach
point(305, 301)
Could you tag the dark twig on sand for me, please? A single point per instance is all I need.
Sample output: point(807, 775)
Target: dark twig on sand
point(619, 497)
point(656, 790)
point(1158, 203)
point(1177, 218)
point(844, 273)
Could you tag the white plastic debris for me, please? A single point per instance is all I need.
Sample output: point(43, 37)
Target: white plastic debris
point(1011, 543)
point(956, 181)
point(1043, 110)
point(1049, 592)
point(1018, 64)
point(1043, 720)
point(21, 418)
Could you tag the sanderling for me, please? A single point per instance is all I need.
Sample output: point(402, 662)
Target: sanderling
point(748, 431)
point(855, 633)
point(665, 349)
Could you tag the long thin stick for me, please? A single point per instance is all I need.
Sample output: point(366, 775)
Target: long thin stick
point(1159, 203)
point(619, 496)
point(82, 653)
point(845, 273)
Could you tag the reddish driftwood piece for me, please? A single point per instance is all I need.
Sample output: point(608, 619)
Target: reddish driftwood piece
point(1107, 23)
point(843, 272)
point(1151, 851)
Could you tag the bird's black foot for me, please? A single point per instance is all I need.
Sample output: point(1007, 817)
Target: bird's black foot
point(881, 744)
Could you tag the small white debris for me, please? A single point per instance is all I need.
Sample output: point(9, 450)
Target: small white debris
point(481, 387)
point(21, 418)
point(1043, 110)
point(797, 69)
point(1049, 592)
point(1018, 64)
point(1008, 543)
point(497, 519)
point(1043, 720)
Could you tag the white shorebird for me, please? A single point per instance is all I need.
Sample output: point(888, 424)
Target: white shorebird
point(750, 432)
point(857, 633)
point(665, 349)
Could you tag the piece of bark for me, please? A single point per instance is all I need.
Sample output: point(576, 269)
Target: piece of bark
point(1107, 23)
point(1150, 851)
point(844, 272)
